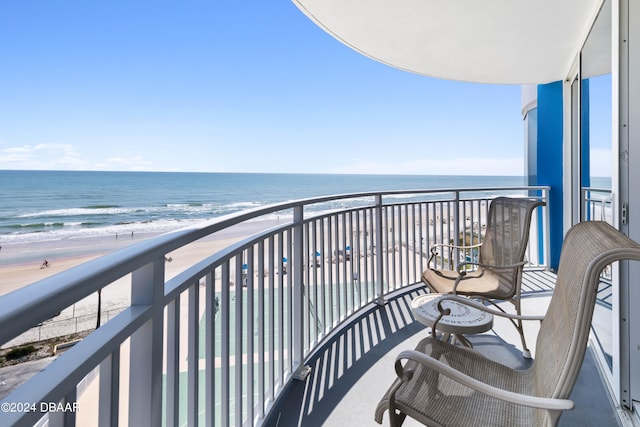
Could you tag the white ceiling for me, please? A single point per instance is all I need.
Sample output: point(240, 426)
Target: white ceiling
point(490, 41)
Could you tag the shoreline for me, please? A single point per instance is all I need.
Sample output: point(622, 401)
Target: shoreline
point(21, 263)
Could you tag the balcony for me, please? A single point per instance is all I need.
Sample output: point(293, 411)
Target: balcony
point(235, 339)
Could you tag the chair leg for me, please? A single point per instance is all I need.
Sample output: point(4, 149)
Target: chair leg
point(396, 419)
point(526, 353)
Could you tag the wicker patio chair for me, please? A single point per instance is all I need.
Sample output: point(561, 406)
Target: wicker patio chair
point(445, 385)
point(497, 274)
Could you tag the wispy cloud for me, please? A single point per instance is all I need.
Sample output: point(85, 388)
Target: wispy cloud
point(65, 157)
point(41, 156)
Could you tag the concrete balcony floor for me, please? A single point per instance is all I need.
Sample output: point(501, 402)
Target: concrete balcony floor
point(352, 371)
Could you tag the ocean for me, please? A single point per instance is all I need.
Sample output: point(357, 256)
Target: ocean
point(54, 206)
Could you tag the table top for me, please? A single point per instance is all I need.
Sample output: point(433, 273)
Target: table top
point(462, 320)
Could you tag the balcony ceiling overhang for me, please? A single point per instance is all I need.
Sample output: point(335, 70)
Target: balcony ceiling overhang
point(495, 41)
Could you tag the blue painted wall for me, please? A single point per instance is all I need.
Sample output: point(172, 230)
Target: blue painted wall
point(545, 164)
point(549, 160)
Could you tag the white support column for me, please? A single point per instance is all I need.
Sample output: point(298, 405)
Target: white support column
point(145, 378)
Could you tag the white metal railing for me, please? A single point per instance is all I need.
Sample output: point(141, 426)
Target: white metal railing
point(217, 343)
point(597, 204)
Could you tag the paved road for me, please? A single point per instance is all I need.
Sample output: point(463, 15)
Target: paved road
point(13, 376)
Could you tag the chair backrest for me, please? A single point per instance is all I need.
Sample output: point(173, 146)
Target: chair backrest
point(562, 340)
point(507, 234)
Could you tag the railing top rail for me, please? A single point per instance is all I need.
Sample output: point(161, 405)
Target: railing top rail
point(45, 298)
point(600, 190)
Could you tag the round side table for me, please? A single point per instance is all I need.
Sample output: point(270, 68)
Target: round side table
point(462, 320)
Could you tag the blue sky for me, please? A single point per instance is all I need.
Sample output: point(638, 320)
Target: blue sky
point(228, 86)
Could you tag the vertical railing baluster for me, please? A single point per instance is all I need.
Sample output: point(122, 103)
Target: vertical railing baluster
point(305, 284)
point(298, 293)
point(368, 254)
point(390, 232)
point(55, 418)
point(72, 399)
point(261, 330)
point(333, 251)
point(290, 303)
point(379, 251)
point(192, 354)
point(281, 309)
point(348, 272)
point(251, 329)
point(474, 207)
point(109, 402)
point(318, 289)
point(239, 338)
point(209, 349)
point(173, 366)
point(271, 320)
point(146, 349)
point(456, 225)
point(225, 351)
point(416, 225)
point(342, 261)
point(439, 226)
point(404, 246)
point(318, 299)
point(421, 238)
point(356, 252)
point(396, 243)
point(328, 309)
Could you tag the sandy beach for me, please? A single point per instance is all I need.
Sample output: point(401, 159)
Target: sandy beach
point(21, 264)
point(116, 296)
point(63, 255)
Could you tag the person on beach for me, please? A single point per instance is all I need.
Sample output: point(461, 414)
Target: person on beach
point(45, 264)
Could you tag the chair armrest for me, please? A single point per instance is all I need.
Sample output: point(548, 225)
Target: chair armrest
point(508, 396)
point(434, 249)
point(492, 266)
point(445, 245)
point(463, 273)
point(482, 307)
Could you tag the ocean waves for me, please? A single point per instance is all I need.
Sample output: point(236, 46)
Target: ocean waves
point(71, 230)
point(57, 205)
point(171, 208)
point(105, 220)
